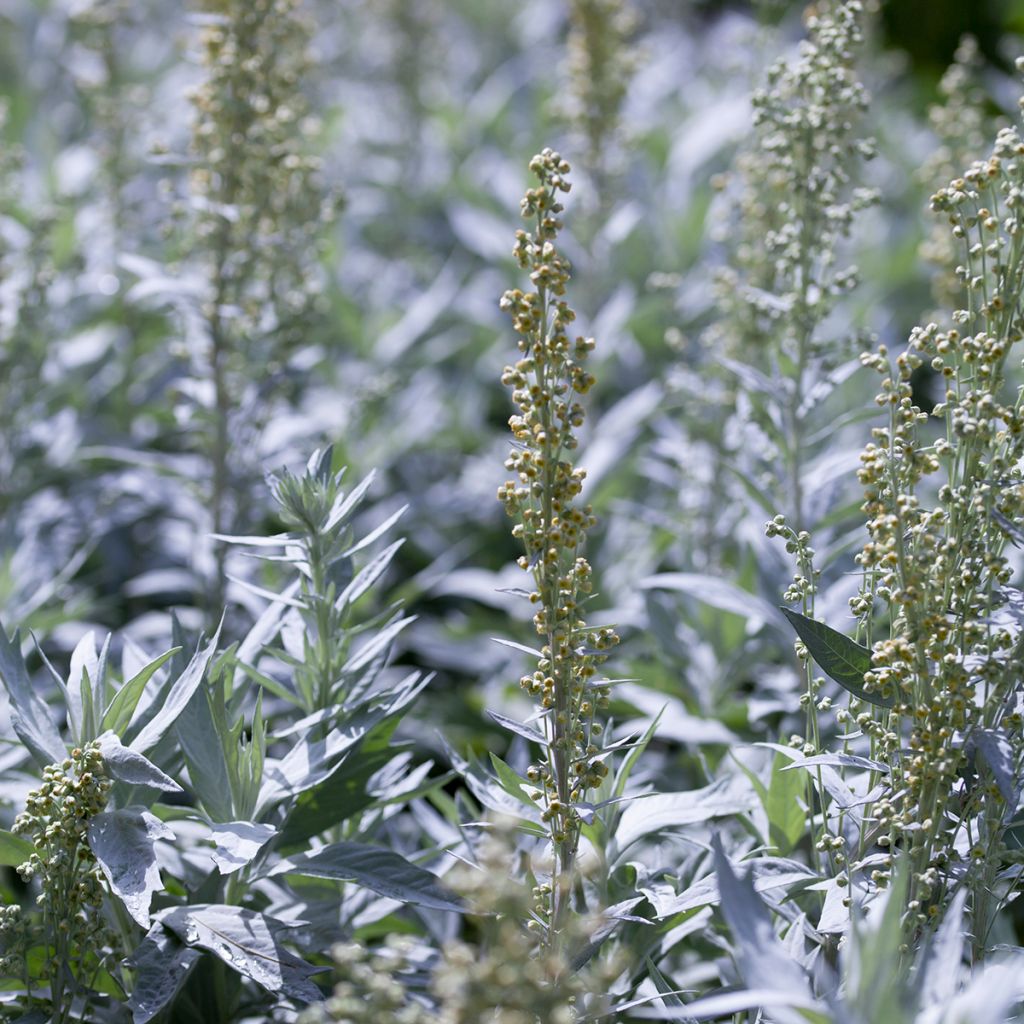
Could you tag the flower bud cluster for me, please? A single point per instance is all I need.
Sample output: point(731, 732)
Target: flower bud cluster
point(797, 200)
point(798, 543)
point(14, 940)
point(962, 129)
point(542, 498)
point(255, 184)
point(56, 818)
point(600, 63)
point(70, 883)
point(504, 976)
point(938, 513)
point(368, 989)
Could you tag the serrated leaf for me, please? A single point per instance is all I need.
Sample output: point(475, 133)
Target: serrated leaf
point(122, 842)
point(379, 869)
point(839, 657)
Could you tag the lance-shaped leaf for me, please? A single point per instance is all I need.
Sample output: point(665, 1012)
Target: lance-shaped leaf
point(30, 714)
point(520, 729)
point(645, 815)
point(839, 657)
point(82, 674)
point(175, 699)
point(369, 574)
point(203, 751)
point(782, 805)
point(125, 765)
point(760, 956)
point(765, 874)
point(121, 708)
point(248, 943)
point(123, 844)
point(385, 872)
point(162, 963)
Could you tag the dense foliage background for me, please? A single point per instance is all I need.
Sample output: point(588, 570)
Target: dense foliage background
point(240, 233)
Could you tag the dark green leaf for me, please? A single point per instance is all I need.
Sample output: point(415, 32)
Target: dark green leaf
point(14, 850)
point(839, 657)
point(786, 815)
point(376, 868)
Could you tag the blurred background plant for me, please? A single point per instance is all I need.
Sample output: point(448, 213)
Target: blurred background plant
point(184, 307)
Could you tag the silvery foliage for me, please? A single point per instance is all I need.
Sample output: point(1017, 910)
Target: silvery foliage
point(273, 779)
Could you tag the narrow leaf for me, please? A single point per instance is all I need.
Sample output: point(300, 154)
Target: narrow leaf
point(121, 708)
point(178, 694)
point(533, 735)
point(30, 715)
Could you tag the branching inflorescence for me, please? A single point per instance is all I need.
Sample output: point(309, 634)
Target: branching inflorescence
point(543, 499)
point(259, 213)
point(797, 204)
point(940, 511)
point(963, 129)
